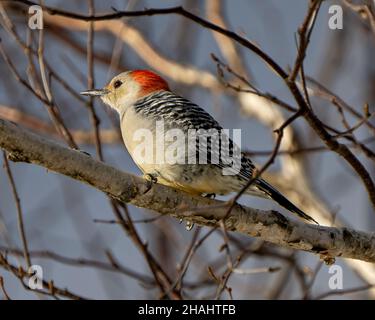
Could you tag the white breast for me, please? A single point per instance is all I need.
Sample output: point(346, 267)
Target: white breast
point(145, 146)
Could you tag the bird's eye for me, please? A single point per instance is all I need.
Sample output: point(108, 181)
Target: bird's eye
point(117, 84)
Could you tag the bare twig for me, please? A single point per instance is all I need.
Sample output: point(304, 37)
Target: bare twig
point(343, 292)
point(90, 81)
point(21, 227)
point(160, 276)
point(304, 33)
point(82, 262)
point(6, 296)
point(51, 108)
point(49, 288)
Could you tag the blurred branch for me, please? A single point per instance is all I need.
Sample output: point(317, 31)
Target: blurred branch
point(167, 11)
point(215, 14)
point(6, 296)
point(252, 91)
point(49, 288)
point(269, 225)
point(304, 33)
point(51, 107)
point(91, 82)
point(81, 262)
point(321, 91)
point(188, 75)
point(265, 153)
point(343, 292)
point(108, 136)
point(161, 278)
point(364, 11)
point(21, 228)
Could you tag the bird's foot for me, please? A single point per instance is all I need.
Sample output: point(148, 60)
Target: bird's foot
point(188, 226)
point(150, 179)
point(86, 153)
point(209, 195)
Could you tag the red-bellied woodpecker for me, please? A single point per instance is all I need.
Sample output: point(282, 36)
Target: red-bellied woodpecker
point(197, 165)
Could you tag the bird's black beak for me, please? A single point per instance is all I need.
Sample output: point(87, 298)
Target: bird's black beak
point(95, 92)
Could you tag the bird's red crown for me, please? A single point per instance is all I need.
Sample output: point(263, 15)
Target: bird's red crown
point(149, 81)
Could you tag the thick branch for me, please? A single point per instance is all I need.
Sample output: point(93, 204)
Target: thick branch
point(269, 225)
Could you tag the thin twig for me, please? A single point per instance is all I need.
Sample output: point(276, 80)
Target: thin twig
point(90, 82)
point(6, 296)
point(343, 292)
point(83, 262)
point(304, 37)
point(49, 288)
point(21, 227)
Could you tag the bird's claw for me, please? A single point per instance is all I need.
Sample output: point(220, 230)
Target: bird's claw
point(209, 195)
point(188, 226)
point(150, 179)
point(85, 152)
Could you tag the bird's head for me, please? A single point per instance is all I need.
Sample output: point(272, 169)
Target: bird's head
point(128, 87)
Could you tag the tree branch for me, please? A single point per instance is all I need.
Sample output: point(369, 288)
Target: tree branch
point(271, 226)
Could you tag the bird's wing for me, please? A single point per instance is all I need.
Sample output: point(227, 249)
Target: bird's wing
point(180, 113)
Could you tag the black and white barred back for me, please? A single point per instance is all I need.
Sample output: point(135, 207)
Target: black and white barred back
point(178, 112)
point(181, 113)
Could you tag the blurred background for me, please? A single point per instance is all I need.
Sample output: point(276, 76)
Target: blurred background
point(70, 227)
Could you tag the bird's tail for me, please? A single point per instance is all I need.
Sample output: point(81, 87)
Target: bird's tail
point(281, 200)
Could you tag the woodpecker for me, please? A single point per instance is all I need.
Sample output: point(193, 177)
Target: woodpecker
point(142, 98)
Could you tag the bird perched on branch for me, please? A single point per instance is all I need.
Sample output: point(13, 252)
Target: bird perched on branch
point(176, 143)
